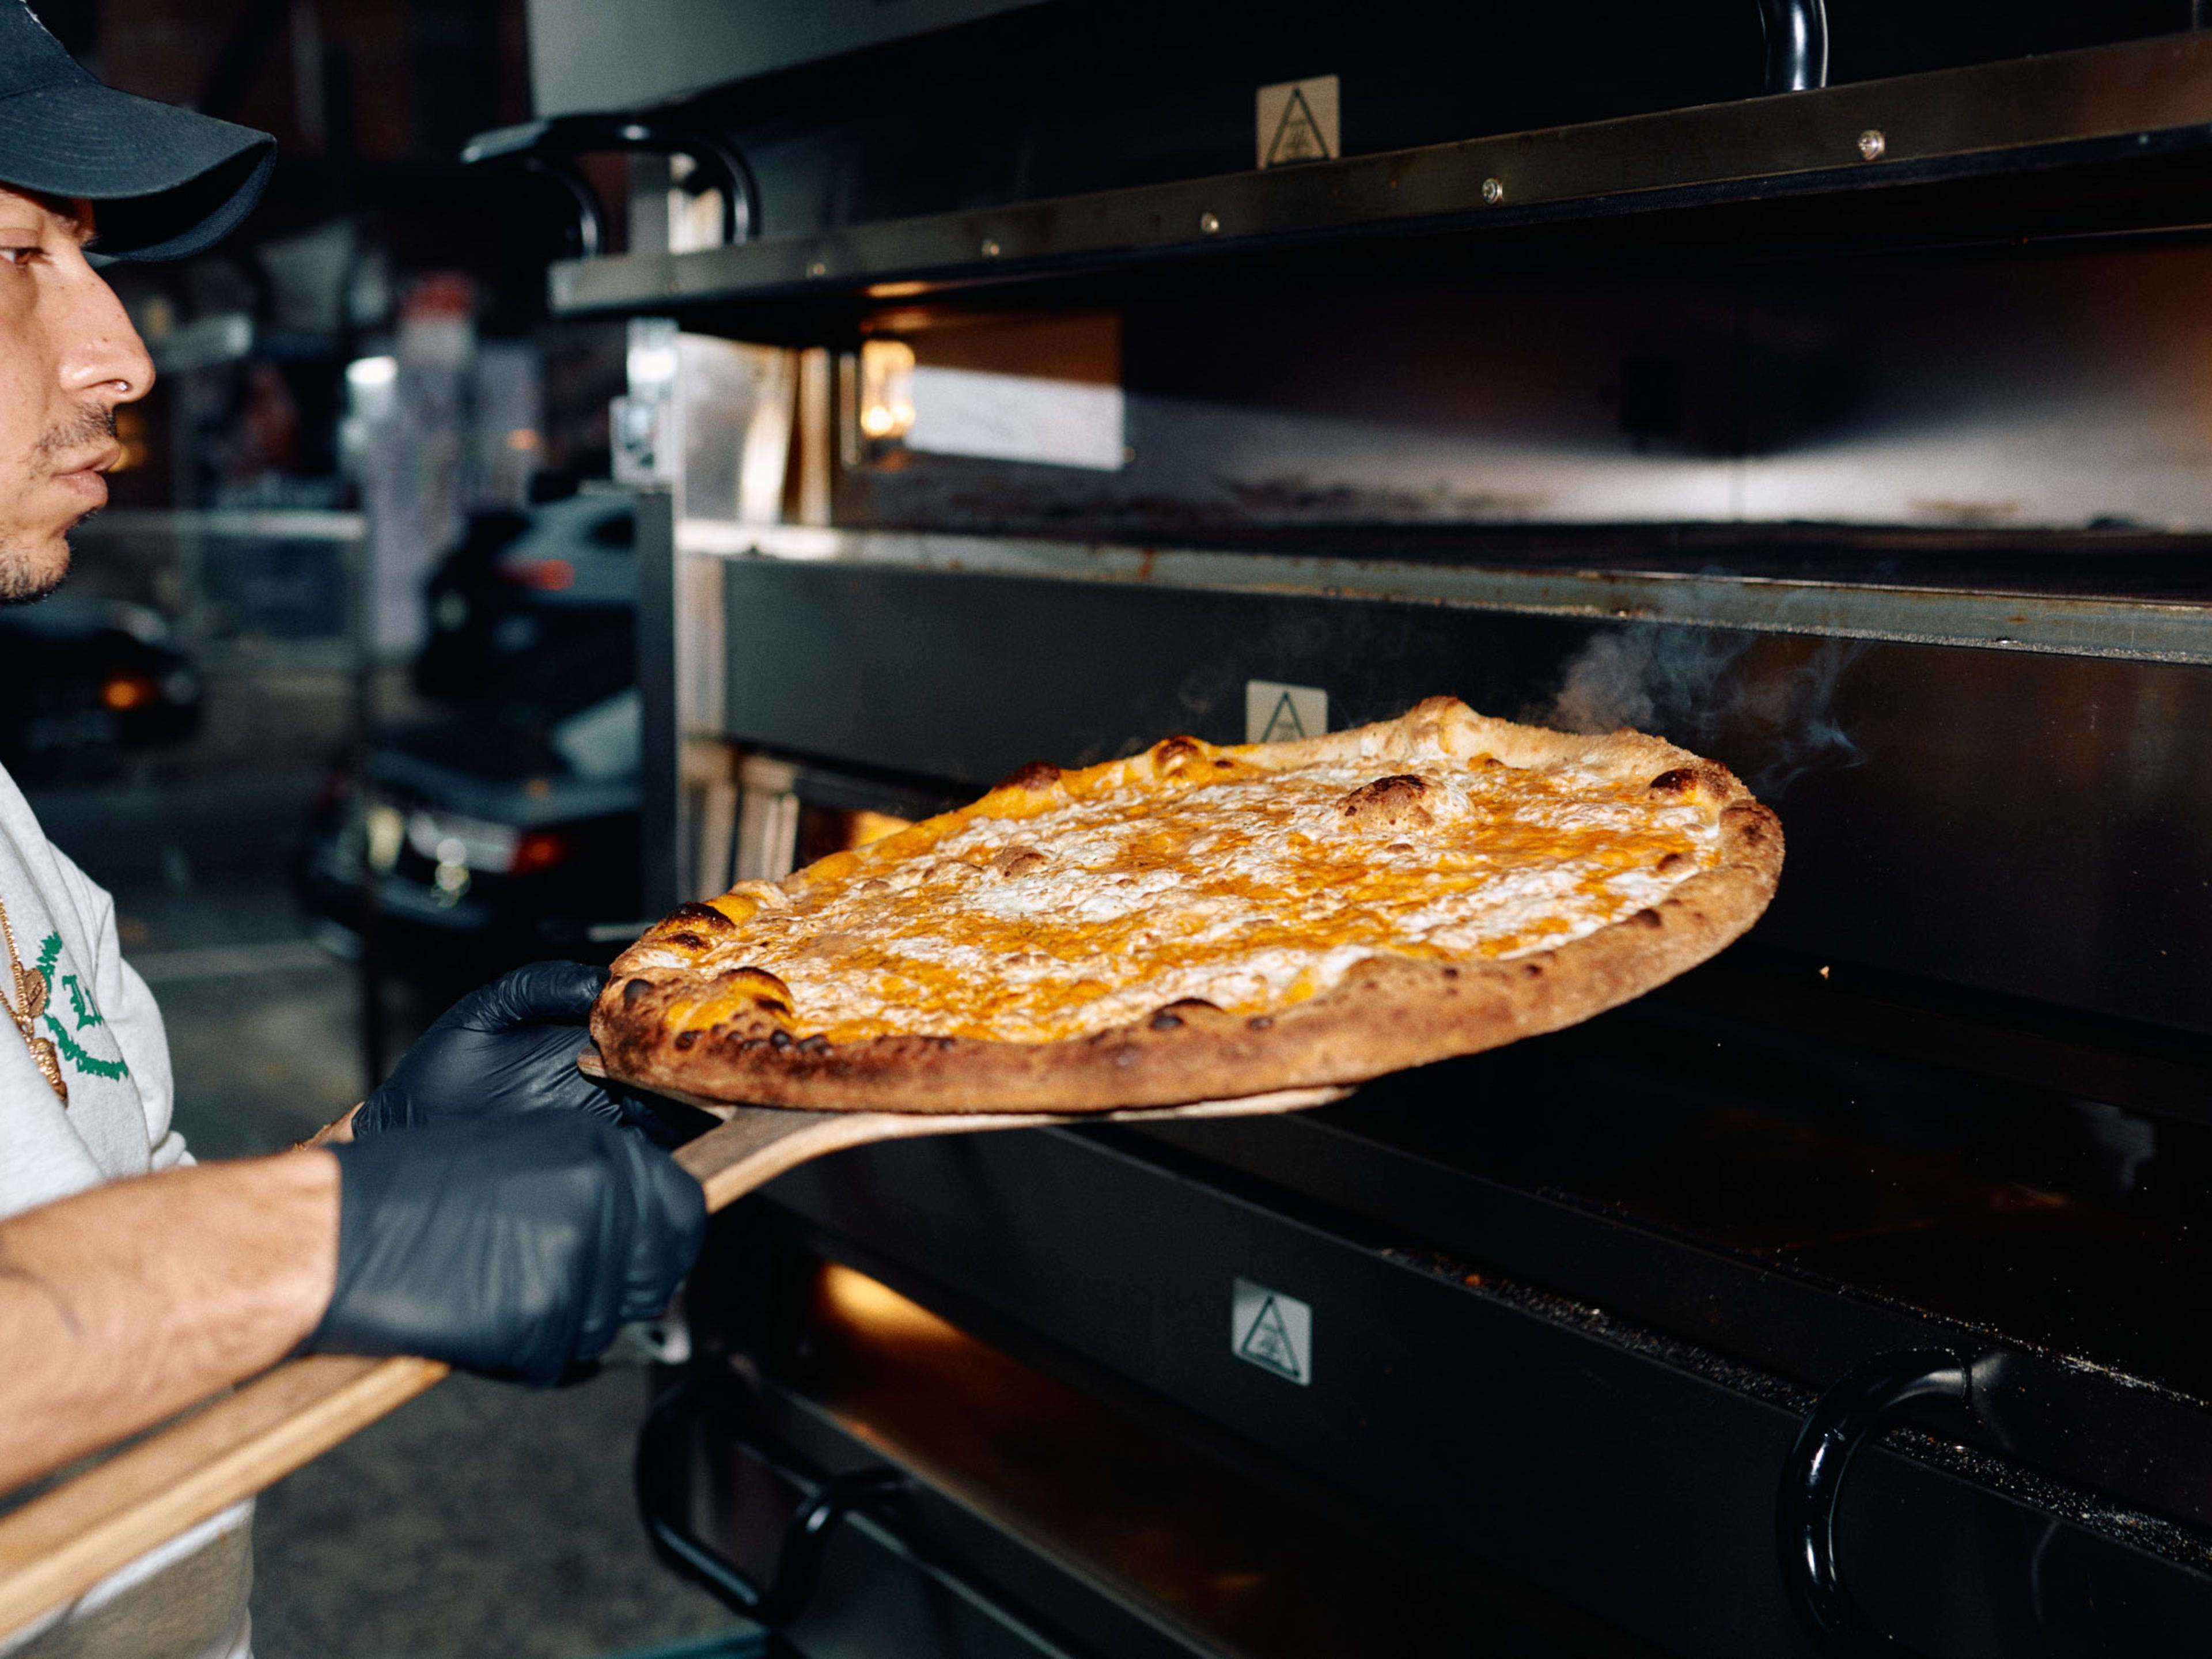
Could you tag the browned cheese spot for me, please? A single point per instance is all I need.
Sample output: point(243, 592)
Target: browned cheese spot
point(1683, 780)
point(1017, 860)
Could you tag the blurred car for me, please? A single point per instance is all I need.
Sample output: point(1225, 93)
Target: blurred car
point(523, 585)
point(86, 681)
point(506, 827)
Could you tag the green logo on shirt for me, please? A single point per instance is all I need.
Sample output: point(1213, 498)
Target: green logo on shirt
point(86, 1013)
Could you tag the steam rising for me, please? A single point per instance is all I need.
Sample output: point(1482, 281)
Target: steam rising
point(1691, 684)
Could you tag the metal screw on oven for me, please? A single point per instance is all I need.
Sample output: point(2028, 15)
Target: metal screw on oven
point(990, 248)
point(1493, 191)
point(1872, 143)
point(1208, 224)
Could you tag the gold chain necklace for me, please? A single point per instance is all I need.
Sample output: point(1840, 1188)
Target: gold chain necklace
point(25, 1007)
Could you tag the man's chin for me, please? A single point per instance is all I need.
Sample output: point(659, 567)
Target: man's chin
point(26, 577)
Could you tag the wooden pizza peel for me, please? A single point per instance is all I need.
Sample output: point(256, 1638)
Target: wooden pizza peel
point(65, 1541)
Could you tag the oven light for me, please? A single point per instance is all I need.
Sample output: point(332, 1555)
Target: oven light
point(855, 1299)
point(886, 388)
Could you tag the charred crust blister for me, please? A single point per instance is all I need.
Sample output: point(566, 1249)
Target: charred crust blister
point(690, 926)
point(1038, 774)
point(1393, 800)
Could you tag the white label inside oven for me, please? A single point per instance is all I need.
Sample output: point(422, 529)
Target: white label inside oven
point(1016, 417)
point(1272, 1331)
point(1275, 713)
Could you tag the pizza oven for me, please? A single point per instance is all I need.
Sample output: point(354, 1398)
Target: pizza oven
point(1856, 435)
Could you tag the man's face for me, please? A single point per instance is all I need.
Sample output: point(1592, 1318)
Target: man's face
point(68, 357)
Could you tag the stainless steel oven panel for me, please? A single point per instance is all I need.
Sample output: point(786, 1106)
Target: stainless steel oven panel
point(1606, 1463)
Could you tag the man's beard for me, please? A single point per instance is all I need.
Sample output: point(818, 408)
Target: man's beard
point(20, 582)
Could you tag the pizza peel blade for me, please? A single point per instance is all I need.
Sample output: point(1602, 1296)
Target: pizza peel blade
point(753, 1144)
point(62, 1543)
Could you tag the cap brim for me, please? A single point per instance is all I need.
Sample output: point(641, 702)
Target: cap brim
point(167, 181)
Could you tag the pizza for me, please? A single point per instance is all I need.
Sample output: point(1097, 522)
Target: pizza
point(1200, 922)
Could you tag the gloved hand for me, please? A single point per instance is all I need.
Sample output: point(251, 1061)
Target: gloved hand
point(513, 1247)
point(507, 1047)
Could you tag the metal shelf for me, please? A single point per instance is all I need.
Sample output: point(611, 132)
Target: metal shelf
point(2144, 630)
point(2101, 106)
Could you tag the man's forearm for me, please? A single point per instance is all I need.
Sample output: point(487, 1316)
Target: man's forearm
point(125, 1304)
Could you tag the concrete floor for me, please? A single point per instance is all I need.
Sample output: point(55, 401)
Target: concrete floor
point(480, 1519)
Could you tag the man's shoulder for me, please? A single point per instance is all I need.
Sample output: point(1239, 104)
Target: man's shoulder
point(23, 839)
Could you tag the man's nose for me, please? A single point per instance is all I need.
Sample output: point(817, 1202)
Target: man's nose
point(102, 356)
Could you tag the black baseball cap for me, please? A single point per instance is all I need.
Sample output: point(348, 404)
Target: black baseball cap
point(168, 182)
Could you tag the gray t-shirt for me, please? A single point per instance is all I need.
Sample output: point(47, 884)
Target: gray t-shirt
point(186, 1600)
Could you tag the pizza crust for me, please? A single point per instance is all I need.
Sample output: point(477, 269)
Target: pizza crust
point(1387, 1012)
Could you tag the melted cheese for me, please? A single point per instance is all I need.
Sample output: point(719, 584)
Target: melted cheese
point(1041, 915)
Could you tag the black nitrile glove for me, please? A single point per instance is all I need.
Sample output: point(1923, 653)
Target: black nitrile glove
point(507, 1047)
point(513, 1247)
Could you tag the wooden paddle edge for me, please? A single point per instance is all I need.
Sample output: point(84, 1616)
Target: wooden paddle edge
point(60, 1545)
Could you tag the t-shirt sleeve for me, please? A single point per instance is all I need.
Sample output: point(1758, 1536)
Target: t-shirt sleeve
point(132, 1016)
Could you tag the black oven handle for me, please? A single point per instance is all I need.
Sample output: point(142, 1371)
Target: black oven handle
point(1860, 1407)
point(661, 1448)
point(1797, 44)
point(549, 147)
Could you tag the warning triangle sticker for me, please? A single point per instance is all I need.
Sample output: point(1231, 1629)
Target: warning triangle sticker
point(1297, 135)
point(1283, 722)
point(1268, 1342)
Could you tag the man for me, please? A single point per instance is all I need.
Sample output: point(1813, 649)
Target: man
point(488, 1206)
